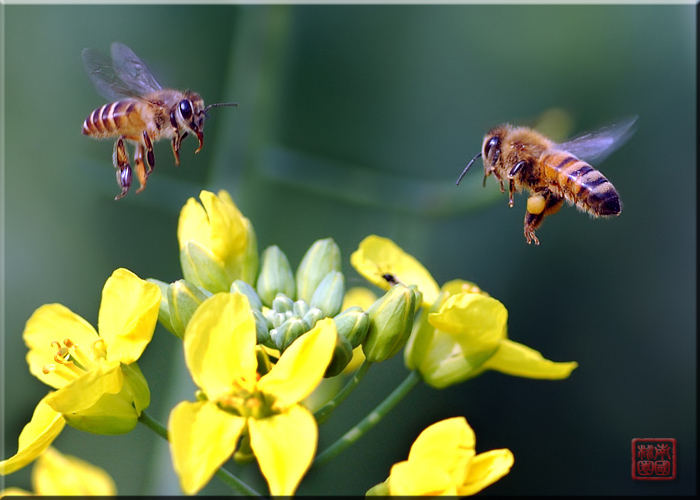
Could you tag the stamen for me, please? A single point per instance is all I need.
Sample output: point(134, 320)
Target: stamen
point(99, 348)
point(71, 356)
point(51, 368)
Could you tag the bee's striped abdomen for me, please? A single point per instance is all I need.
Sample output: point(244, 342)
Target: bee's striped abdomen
point(112, 119)
point(581, 184)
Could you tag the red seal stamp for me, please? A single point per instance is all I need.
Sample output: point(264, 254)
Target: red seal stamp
point(653, 459)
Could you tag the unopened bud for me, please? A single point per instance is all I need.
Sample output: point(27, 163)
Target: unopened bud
point(329, 294)
point(164, 310)
point(241, 286)
point(342, 354)
point(262, 331)
point(183, 300)
point(275, 276)
point(283, 304)
point(312, 316)
point(352, 324)
point(390, 323)
point(201, 268)
point(322, 257)
point(288, 332)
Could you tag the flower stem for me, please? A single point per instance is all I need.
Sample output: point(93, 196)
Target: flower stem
point(222, 473)
point(325, 411)
point(154, 425)
point(369, 421)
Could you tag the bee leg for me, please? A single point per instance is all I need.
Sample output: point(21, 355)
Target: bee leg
point(176, 148)
point(539, 205)
point(511, 189)
point(121, 163)
point(150, 157)
point(141, 171)
point(493, 171)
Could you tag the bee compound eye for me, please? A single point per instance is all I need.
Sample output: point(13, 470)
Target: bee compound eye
point(186, 109)
point(493, 144)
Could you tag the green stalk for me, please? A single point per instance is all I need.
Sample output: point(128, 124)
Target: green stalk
point(369, 421)
point(325, 411)
point(222, 473)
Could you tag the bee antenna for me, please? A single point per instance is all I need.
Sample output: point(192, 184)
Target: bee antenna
point(467, 167)
point(220, 104)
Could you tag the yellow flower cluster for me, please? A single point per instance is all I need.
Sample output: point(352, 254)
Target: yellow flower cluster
point(258, 340)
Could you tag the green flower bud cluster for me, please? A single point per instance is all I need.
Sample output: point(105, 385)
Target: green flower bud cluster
point(286, 305)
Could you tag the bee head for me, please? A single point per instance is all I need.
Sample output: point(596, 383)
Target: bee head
point(189, 113)
point(491, 149)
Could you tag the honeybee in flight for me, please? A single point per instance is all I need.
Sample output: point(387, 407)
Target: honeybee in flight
point(142, 112)
point(553, 172)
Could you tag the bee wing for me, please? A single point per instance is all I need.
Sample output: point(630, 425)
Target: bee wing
point(597, 145)
point(121, 75)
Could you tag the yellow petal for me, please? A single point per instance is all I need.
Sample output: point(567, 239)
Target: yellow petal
point(58, 474)
point(193, 224)
point(16, 492)
point(444, 443)
point(53, 322)
point(220, 344)
point(476, 321)
point(522, 361)
point(459, 286)
point(485, 469)
point(227, 231)
point(85, 391)
point(377, 256)
point(202, 437)
point(301, 366)
point(284, 445)
point(36, 436)
point(128, 315)
point(425, 479)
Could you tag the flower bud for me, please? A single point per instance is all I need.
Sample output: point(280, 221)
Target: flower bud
point(312, 316)
point(283, 304)
point(164, 310)
point(322, 257)
point(241, 286)
point(262, 332)
point(276, 318)
point(183, 300)
point(390, 323)
point(418, 294)
point(342, 354)
point(201, 268)
point(329, 294)
point(275, 276)
point(288, 332)
point(301, 308)
point(352, 324)
point(219, 229)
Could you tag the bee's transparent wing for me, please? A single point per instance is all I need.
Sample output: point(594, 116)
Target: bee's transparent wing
point(121, 75)
point(597, 145)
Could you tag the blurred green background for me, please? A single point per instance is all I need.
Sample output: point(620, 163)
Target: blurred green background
point(356, 120)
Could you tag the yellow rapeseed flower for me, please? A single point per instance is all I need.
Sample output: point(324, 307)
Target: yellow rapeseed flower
point(468, 335)
point(99, 386)
point(57, 474)
point(443, 461)
point(217, 244)
point(220, 353)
